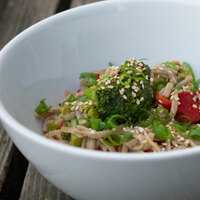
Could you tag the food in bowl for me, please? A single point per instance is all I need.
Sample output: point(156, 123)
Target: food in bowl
point(128, 108)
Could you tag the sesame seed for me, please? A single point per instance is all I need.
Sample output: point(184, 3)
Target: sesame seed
point(110, 86)
point(121, 91)
point(140, 64)
point(142, 86)
point(194, 106)
point(124, 96)
point(92, 131)
point(194, 98)
point(133, 94)
point(138, 102)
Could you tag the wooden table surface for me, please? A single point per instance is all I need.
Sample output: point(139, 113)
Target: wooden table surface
point(19, 179)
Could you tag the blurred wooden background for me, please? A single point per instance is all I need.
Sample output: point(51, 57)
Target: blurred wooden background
point(18, 179)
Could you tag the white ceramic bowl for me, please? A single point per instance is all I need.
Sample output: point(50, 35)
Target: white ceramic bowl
point(48, 57)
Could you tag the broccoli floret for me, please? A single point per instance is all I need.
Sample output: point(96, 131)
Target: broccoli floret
point(125, 90)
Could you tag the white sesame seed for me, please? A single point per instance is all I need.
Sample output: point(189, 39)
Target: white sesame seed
point(124, 96)
point(142, 86)
point(121, 91)
point(140, 64)
point(133, 94)
point(194, 106)
point(110, 86)
point(194, 98)
point(138, 102)
point(92, 131)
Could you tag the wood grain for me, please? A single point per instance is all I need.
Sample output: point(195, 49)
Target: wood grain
point(38, 188)
point(6, 150)
point(82, 2)
point(16, 15)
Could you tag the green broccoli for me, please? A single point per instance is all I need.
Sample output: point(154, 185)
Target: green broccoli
point(125, 90)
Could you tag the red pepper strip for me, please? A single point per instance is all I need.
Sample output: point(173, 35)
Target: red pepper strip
point(165, 102)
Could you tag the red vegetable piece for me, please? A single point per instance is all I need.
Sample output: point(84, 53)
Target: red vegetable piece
point(97, 76)
point(165, 102)
point(188, 109)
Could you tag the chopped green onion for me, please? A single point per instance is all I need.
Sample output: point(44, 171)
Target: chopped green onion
point(74, 122)
point(83, 98)
point(71, 98)
point(42, 108)
point(170, 64)
point(88, 78)
point(195, 133)
point(114, 121)
point(52, 126)
point(90, 93)
point(182, 128)
point(117, 139)
point(75, 140)
point(82, 122)
point(96, 124)
point(162, 133)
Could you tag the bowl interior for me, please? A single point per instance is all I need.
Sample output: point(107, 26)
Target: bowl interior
point(46, 59)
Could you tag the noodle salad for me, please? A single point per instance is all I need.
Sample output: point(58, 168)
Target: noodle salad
point(128, 108)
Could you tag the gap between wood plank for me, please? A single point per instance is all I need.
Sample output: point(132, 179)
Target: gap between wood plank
point(12, 185)
point(15, 16)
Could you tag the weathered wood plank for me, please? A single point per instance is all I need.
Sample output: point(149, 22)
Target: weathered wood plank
point(38, 188)
point(16, 15)
point(82, 2)
point(6, 150)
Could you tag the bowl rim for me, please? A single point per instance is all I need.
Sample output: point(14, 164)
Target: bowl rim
point(12, 123)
